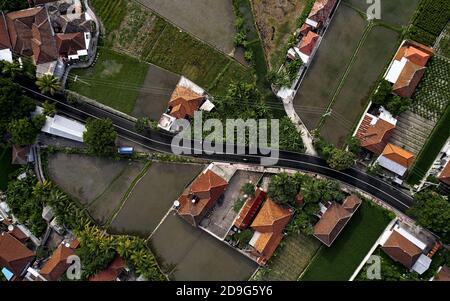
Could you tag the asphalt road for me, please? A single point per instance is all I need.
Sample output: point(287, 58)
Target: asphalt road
point(161, 142)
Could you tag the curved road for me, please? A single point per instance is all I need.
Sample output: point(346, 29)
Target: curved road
point(158, 141)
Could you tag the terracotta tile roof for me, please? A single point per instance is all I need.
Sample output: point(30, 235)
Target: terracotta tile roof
point(205, 190)
point(331, 223)
point(74, 244)
point(308, 43)
point(401, 249)
point(398, 155)
point(5, 43)
point(445, 174)
point(184, 102)
point(305, 28)
point(32, 35)
point(271, 218)
point(20, 154)
point(249, 209)
point(417, 56)
point(443, 275)
point(14, 255)
point(408, 80)
point(18, 234)
point(70, 43)
point(112, 271)
point(374, 137)
point(321, 11)
point(57, 265)
point(270, 223)
point(351, 203)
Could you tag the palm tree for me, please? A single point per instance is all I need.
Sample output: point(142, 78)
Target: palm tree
point(48, 84)
point(12, 70)
point(310, 191)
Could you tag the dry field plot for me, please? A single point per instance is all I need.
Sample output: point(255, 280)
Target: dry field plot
point(276, 20)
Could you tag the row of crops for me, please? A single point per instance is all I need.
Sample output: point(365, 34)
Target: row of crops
point(430, 19)
point(433, 94)
point(111, 12)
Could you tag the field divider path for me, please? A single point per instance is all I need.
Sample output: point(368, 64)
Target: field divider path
point(128, 193)
point(347, 71)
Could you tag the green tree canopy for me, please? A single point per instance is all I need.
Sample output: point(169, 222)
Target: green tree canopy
point(283, 189)
point(100, 136)
point(248, 189)
point(13, 5)
point(48, 84)
point(23, 131)
point(341, 159)
point(432, 211)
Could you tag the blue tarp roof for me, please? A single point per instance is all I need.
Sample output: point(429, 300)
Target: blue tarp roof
point(8, 274)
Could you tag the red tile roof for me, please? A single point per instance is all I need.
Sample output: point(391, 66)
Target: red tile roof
point(270, 223)
point(418, 56)
point(18, 234)
point(112, 271)
point(334, 220)
point(398, 155)
point(445, 174)
point(205, 191)
point(184, 102)
point(401, 249)
point(321, 11)
point(305, 28)
point(14, 255)
point(249, 209)
point(5, 43)
point(408, 80)
point(70, 43)
point(308, 43)
point(57, 265)
point(32, 35)
point(374, 137)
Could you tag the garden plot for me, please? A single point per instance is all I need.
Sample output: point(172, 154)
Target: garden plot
point(352, 99)
point(329, 65)
point(292, 258)
point(152, 197)
point(211, 21)
point(155, 93)
point(84, 178)
point(186, 253)
point(433, 94)
point(276, 21)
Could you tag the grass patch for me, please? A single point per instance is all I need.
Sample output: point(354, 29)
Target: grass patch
point(6, 167)
point(338, 262)
point(431, 149)
point(290, 261)
point(115, 80)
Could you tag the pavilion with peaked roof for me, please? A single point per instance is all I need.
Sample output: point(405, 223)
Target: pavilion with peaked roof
point(268, 226)
point(201, 196)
